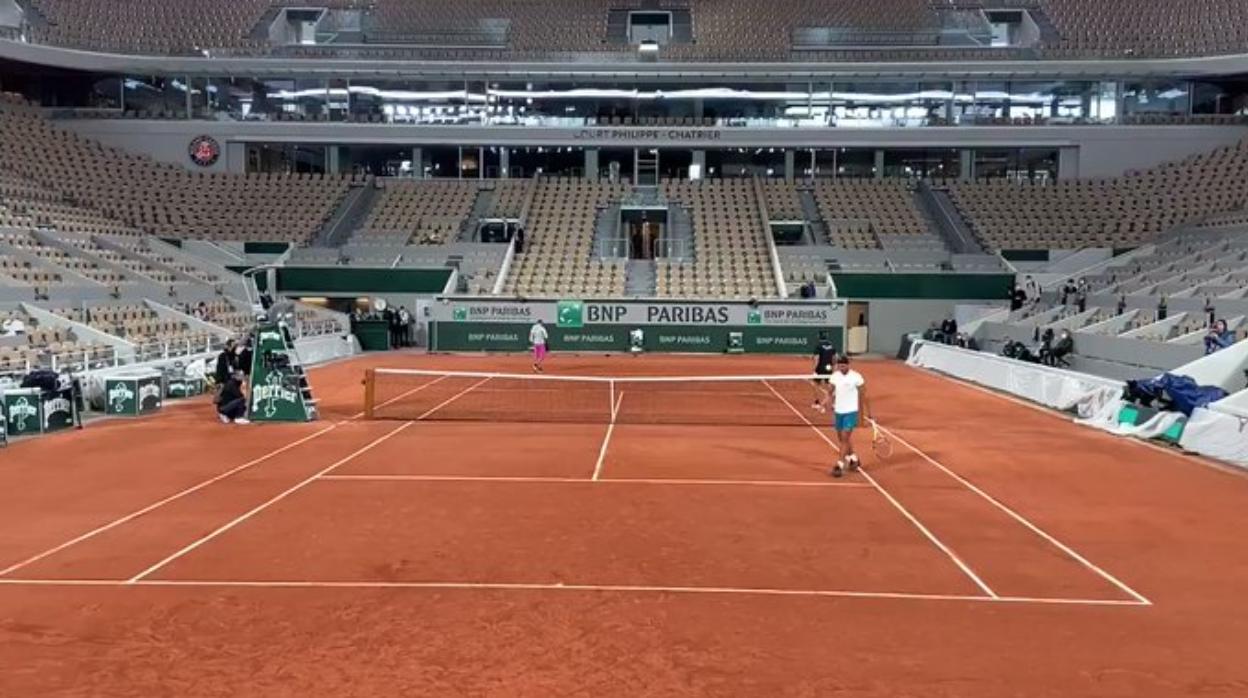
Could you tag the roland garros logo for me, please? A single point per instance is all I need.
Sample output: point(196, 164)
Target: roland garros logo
point(204, 151)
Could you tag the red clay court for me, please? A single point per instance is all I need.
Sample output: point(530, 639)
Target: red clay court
point(1001, 551)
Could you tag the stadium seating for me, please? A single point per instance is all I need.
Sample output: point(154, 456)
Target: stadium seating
point(153, 336)
point(140, 268)
point(149, 26)
point(557, 256)
point(425, 212)
point(721, 30)
point(160, 198)
point(46, 347)
point(857, 211)
point(730, 258)
point(59, 259)
point(1123, 212)
point(783, 202)
point(143, 249)
point(222, 313)
point(21, 272)
point(1152, 28)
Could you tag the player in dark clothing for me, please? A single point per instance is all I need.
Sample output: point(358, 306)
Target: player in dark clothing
point(825, 360)
point(227, 361)
point(231, 403)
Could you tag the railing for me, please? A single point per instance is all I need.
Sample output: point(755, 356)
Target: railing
point(505, 269)
point(620, 247)
point(172, 348)
point(318, 327)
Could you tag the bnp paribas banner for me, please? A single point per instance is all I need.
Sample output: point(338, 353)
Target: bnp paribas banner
point(576, 314)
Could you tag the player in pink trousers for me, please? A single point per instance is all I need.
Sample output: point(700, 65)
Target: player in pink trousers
point(538, 337)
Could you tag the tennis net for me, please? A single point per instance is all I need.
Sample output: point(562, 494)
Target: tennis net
point(409, 394)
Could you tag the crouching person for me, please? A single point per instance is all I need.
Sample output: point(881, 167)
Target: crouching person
point(231, 402)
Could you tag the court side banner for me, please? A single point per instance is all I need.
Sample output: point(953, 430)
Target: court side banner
point(576, 313)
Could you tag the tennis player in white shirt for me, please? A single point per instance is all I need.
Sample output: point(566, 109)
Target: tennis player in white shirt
point(538, 337)
point(848, 396)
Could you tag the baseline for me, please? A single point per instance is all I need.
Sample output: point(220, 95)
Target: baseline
point(525, 586)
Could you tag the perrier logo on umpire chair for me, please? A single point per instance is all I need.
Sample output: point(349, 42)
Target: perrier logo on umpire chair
point(279, 385)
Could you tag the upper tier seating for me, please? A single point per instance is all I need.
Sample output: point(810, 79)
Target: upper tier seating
point(1123, 212)
point(160, 198)
point(722, 29)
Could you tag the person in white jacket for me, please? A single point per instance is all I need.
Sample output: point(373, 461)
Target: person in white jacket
point(538, 336)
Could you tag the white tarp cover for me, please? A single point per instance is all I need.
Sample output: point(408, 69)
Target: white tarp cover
point(1216, 434)
point(1090, 397)
point(1097, 401)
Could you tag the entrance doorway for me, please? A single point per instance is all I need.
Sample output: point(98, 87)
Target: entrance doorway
point(644, 231)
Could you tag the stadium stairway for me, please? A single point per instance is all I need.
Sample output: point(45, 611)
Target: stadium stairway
point(608, 243)
point(810, 209)
point(943, 217)
point(640, 278)
point(350, 216)
point(481, 206)
point(680, 233)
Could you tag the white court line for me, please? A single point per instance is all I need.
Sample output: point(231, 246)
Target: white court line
point(602, 452)
point(503, 479)
point(195, 488)
point(1182, 457)
point(171, 498)
point(408, 393)
point(271, 501)
point(453, 398)
point(966, 569)
point(1070, 552)
point(520, 586)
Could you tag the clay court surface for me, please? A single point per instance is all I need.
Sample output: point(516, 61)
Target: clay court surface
point(1001, 551)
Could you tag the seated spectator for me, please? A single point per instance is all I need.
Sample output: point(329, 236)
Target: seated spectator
point(1218, 338)
point(231, 402)
point(949, 330)
point(1064, 347)
point(1046, 346)
point(1018, 298)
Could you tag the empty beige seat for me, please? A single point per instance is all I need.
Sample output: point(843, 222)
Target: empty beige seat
point(117, 192)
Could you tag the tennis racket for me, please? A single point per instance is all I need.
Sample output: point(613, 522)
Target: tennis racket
point(880, 443)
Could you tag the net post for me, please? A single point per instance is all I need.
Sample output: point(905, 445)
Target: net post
point(370, 391)
point(611, 395)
